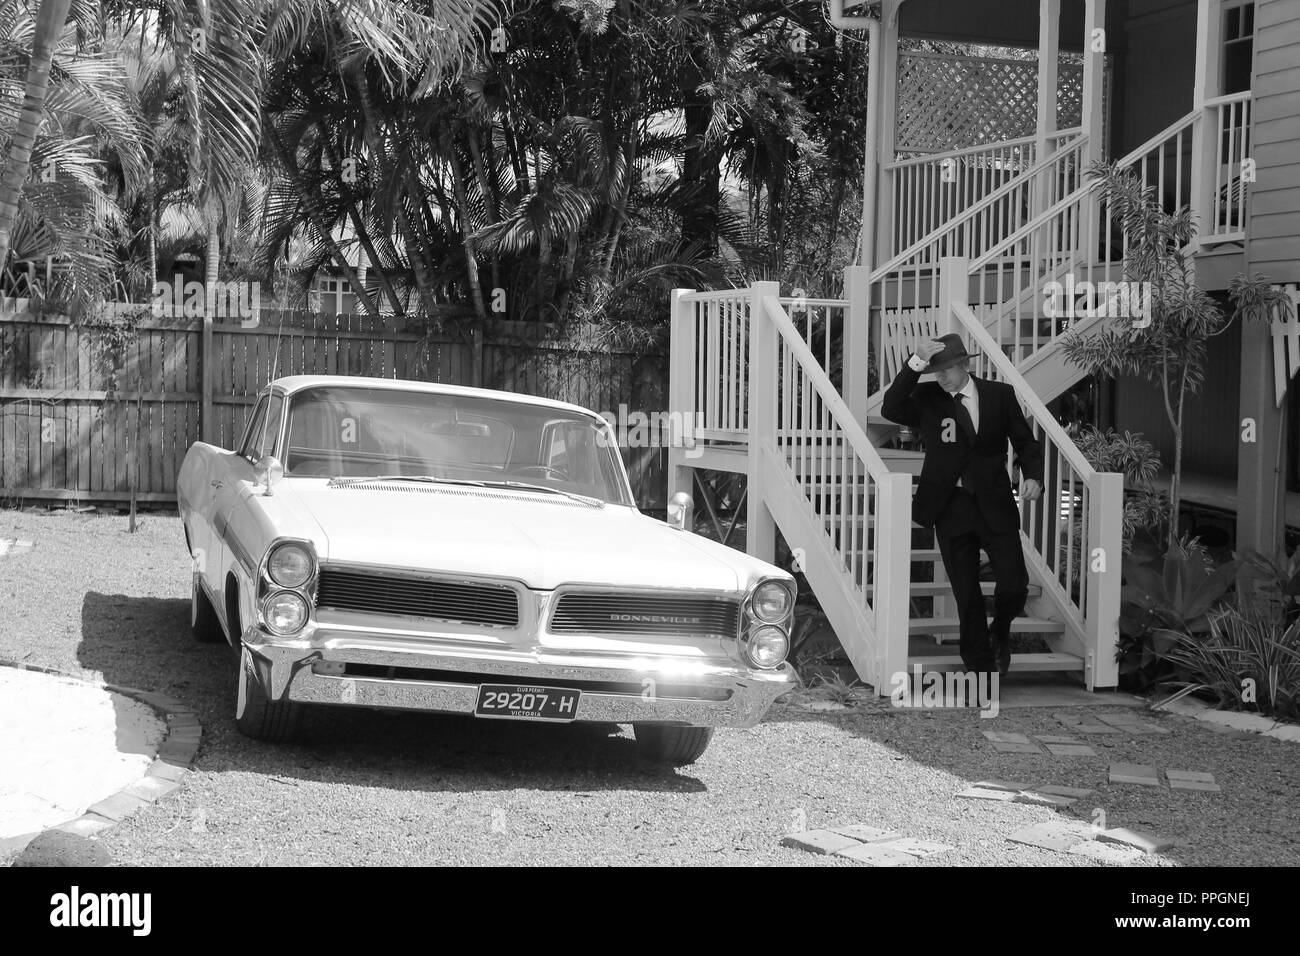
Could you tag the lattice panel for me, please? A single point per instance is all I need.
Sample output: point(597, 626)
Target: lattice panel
point(950, 102)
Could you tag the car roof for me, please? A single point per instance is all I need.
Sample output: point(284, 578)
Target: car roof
point(296, 383)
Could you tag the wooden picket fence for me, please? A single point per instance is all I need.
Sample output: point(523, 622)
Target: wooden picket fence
point(89, 417)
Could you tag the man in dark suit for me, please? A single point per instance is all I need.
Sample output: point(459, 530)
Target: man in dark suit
point(964, 490)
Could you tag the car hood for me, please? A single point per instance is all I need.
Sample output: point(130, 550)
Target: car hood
point(542, 540)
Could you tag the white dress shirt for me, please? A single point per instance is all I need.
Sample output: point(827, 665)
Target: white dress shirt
point(970, 396)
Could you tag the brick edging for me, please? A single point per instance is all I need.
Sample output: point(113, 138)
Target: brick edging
point(1242, 722)
point(171, 763)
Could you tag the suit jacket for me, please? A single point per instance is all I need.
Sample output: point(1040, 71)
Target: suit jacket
point(980, 464)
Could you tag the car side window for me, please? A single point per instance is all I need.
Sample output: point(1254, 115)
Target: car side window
point(264, 440)
point(263, 429)
point(254, 431)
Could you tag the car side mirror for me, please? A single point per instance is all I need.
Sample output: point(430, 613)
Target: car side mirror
point(681, 511)
point(267, 470)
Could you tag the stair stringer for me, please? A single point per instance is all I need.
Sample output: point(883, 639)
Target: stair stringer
point(1049, 373)
point(841, 599)
point(1054, 604)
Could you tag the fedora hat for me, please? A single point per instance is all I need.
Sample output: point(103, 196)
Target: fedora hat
point(954, 350)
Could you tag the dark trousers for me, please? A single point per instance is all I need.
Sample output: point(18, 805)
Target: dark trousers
point(961, 532)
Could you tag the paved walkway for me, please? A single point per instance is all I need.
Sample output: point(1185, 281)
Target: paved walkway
point(65, 745)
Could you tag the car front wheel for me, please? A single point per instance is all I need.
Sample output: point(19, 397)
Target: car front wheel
point(204, 624)
point(256, 715)
point(674, 745)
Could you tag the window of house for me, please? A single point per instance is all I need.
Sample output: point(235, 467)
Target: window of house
point(1238, 46)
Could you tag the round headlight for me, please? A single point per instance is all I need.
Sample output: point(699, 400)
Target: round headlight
point(284, 612)
point(290, 566)
point(771, 602)
point(767, 647)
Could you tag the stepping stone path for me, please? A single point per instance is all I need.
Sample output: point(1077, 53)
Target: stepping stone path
point(10, 546)
point(1192, 780)
point(1011, 743)
point(1128, 723)
point(1121, 723)
point(1083, 725)
point(1145, 842)
point(1106, 852)
point(1140, 773)
point(1057, 835)
point(865, 844)
point(1117, 845)
point(1065, 746)
point(1049, 795)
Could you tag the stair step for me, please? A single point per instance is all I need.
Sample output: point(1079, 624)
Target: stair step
point(944, 589)
point(1019, 662)
point(950, 625)
point(932, 554)
point(854, 521)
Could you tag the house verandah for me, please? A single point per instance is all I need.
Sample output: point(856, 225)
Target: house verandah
point(975, 205)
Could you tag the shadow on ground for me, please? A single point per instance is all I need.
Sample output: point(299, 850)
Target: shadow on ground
point(146, 643)
point(1253, 817)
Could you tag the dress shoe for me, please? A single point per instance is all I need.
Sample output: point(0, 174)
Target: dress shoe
point(1002, 647)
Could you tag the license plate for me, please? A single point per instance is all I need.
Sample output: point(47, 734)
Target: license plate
point(523, 702)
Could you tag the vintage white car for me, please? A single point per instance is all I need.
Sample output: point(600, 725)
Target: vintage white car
point(393, 544)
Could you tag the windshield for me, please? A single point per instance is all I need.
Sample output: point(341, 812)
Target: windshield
point(355, 432)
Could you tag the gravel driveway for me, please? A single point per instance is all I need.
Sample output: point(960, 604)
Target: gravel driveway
point(372, 788)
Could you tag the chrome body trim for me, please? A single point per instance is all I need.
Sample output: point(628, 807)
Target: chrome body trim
point(286, 669)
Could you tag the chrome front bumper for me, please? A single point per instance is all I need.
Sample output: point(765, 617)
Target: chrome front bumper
point(725, 694)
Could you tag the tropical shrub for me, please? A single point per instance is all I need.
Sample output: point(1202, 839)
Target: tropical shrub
point(1157, 603)
point(1248, 660)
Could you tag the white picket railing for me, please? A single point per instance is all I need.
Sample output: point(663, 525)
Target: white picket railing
point(908, 284)
point(930, 190)
point(757, 379)
point(1076, 553)
point(716, 326)
point(1164, 163)
point(1228, 120)
point(833, 497)
point(1043, 278)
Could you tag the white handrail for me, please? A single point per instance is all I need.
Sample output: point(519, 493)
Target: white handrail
point(1128, 160)
point(845, 421)
point(1170, 131)
point(1017, 182)
point(964, 151)
point(1036, 223)
point(1240, 97)
point(1033, 404)
point(714, 295)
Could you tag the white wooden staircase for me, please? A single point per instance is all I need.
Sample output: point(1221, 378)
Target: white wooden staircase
point(775, 387)
point(764, 404)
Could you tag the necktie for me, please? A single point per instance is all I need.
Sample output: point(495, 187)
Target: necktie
point(963, 416)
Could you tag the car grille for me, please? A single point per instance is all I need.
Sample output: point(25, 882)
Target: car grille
point(613, 613)
point(492, 605)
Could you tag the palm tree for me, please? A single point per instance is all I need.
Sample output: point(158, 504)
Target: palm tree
point(88, 155)
point(49, 24)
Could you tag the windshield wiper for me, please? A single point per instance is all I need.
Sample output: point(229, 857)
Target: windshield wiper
point(474, 482)
point(527, 486)
point(344, 482)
